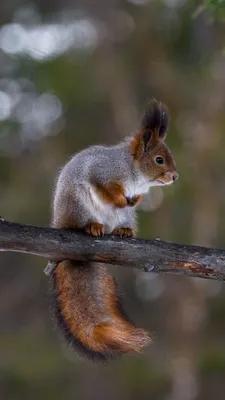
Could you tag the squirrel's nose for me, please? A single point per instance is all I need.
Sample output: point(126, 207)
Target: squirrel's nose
point(175, 176)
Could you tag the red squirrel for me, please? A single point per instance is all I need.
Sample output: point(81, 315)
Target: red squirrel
point(97, 191)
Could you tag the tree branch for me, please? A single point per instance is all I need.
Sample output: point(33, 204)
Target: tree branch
point(145, 255)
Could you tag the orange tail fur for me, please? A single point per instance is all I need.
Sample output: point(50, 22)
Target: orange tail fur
point(86, 309)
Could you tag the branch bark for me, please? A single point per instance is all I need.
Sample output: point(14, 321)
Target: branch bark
point(145, 255)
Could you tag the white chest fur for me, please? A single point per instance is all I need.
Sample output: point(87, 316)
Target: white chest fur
point(135, 188)
point(106, 214)
point(110, 216)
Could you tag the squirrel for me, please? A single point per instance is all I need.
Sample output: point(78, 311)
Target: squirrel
point(97, 192)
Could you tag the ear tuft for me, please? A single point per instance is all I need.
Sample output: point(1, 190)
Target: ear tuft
point(146, 138)
point(156, 119)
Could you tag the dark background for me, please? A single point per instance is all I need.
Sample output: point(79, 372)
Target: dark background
point(75, 73)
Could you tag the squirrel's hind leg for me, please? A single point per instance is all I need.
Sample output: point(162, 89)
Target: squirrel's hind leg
point(126, 226)
point(94, 229)
point(123, 232)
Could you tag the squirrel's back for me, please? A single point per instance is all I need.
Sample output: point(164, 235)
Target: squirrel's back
point(83, 166)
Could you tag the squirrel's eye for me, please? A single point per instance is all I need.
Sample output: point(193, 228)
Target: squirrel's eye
point(159, 160)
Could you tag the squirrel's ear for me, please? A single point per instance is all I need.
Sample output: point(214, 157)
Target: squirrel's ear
point(154, 122)
point(147, 139)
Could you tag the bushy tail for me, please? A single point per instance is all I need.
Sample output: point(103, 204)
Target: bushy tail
point(120, 338)
point(87, 311)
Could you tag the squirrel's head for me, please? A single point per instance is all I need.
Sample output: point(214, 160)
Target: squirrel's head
point(151, 154)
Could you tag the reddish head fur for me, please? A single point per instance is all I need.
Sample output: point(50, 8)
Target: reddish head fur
point(148, 147)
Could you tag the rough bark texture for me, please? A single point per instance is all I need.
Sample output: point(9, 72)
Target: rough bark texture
point(145, 255)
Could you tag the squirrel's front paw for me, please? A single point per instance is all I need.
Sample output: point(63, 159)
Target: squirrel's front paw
point(123, 232)
point(120, 201)
point(133, 201)
point(94, 229)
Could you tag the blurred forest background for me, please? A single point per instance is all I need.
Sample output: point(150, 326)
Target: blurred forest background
point(75, 73)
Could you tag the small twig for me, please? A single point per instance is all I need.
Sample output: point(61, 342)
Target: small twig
point(145, 255)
